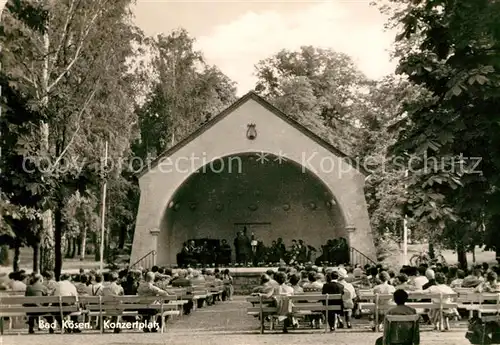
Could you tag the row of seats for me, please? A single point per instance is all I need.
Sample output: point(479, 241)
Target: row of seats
point(101, 307)
point(376, 305)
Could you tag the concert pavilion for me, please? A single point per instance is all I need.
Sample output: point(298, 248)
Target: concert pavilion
point(250, 166)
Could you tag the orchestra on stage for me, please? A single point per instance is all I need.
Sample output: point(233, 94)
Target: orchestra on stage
point(250, 251)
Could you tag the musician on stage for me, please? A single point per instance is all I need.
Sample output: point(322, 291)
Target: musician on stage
point(294, 252)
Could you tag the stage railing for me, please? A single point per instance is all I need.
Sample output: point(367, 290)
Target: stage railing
point(358, 258)
point(147, 261)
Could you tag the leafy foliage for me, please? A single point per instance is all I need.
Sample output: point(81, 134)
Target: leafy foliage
point(451, 49)
point(322, 89)
point(70, 78)
point(186, 94)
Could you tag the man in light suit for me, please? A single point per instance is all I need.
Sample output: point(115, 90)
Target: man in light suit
point(36, 288)
point(147, 288)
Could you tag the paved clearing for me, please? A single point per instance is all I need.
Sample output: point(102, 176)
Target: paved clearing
point(222, 324)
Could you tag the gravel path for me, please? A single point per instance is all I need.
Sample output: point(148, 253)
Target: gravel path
point(221, 324)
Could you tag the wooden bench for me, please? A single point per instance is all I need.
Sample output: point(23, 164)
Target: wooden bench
point(216, 289)
point(6, 293)
point(382, 303)
point(199, 295)
point(474, 301)
point(118, 306)
point(303, 304)
point(15, 306)
point(182, 296)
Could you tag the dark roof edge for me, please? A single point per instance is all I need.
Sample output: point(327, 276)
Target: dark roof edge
point(250, 95)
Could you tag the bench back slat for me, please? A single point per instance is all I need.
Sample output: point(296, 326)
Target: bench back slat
point(310, 297)
point(13, 300)
point(402, 318)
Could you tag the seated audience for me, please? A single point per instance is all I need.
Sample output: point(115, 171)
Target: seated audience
point(490, 284)
point(315, 281)
point(266, 288)
point(227, 280)
point(294, 283)
point(17, 283)
point(283, 304)
point(474, 279)
point(82, 288)
point(383, 289)
point(348, 299)
point(420, 280)
point(36, 288)
point(147, 288)
point(441, 288)
point(66, 288)
point(457, 282)
point(431, 277)
point(333, 287)
point(181, 280)
point(402, 283)
point(97, 286)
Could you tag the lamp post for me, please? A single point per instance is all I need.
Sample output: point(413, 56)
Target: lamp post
point(405, 231)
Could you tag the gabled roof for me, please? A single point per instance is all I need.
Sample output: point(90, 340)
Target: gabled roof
point(249, 96)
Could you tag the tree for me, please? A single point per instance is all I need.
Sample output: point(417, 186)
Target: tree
point(81, 218)
point(186, 93)
point(320, 88)
point(123, 196)
point(385, 189)
point(451, 49)
point(76, 77)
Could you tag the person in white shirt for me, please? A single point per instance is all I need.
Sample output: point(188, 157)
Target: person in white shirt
point(457, 283)
point(420, 280)
point(315, 281)
point(97, 287)
point(383, 289)
point(438, 289)
point(348, 297)
point(17, 283)
point(65, 288)
point(284, 305)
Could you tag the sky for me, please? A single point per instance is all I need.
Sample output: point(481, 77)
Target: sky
point(236, 35)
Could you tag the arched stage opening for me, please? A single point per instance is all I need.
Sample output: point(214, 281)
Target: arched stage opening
point(271, 196)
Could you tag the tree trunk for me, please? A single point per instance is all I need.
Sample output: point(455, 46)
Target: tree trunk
point(83, 243)
point(4, 255)
point(97, 256)
point(48, 245)
point(432, 253)
point(73, 250)
point(78, 246)
point(68, 248)
point(123, 237)
point(473, 254)
point(36, 257)
point(17, 256)
point(461, 256)
point(58, 240)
